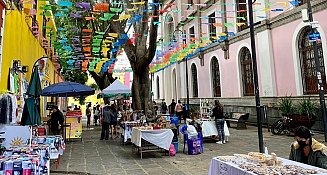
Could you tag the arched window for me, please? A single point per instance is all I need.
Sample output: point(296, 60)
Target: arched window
point(194, 76)
point(306, 54)
point(170, 27)
point(158, 88)
point(215, 75)
point(247, 72)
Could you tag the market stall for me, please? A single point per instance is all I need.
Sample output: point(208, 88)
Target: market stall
point(161, 138)
point(258, 163)
point(127, 130)
point(208, 126)
point(70, 89)
point(26, 155)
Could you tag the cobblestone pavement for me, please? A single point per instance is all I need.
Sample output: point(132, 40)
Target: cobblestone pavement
point(98, 157)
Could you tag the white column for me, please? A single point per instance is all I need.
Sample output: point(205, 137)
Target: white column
point(266, 63)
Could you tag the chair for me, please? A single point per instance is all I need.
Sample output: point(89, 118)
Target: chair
point(187, 140)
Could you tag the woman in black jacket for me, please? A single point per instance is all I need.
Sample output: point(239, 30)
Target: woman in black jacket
point(218, 113)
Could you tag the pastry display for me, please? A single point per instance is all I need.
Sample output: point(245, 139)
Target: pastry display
point(262, 164)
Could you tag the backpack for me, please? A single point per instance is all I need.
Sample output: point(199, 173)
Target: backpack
point(172, 151)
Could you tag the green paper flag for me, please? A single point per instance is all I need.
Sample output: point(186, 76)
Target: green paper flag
point(116, 10)
point(229, 25)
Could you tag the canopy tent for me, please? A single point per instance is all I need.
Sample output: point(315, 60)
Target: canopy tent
point(67, 89)
point(116, 88)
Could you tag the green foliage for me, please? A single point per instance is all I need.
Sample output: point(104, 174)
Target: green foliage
point(75, 76)
point(286, 105)
point(307, 106)
point(94, 86)
point(81, 100)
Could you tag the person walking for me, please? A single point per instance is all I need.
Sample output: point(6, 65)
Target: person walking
point(172, 107)
point(88, 115)
point(96, 115)
point(218, 113)
point(307, 150)
point(114, 122)
point(106, 118)
point(56, 119)
point(179, 110)
point(164, 108)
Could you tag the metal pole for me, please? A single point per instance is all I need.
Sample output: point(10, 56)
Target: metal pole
point(255, 77)
point(187, 89)
point(318, 73)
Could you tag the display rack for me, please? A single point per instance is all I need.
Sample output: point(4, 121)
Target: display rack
point(205, 108)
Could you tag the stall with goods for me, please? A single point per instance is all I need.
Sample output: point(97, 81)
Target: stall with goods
point(258, 163)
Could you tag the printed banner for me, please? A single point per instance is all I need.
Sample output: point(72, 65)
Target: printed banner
point(75, 129)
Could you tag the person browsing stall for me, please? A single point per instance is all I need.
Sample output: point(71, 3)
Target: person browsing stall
point(308, 150)
point(218, 113)
point(56, 118)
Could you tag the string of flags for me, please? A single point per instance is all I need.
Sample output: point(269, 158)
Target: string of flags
point(89, 49)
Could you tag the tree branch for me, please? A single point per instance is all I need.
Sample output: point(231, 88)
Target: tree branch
point(153, 36)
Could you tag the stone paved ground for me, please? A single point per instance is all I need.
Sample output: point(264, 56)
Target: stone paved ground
point(95, 157)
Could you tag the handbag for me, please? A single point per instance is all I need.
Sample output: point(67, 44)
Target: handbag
point(226, 130)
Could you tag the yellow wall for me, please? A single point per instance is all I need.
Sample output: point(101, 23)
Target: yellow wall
point(19, 43)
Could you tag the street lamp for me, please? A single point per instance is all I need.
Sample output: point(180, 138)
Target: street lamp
point(181, 33)
point(314, 37)
point(255, 76)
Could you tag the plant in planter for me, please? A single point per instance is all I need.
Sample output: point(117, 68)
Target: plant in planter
point(307, 107)
point(286, 106)
point(302, 113)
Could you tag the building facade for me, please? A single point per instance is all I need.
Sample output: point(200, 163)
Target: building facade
point(27, 35)
point(224, 70)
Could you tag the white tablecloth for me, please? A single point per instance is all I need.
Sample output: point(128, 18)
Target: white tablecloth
point(128, 130)
point(218, 167)
point(209, 128)
point(161, 137)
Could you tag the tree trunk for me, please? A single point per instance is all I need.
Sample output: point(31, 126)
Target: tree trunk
point(141, 90)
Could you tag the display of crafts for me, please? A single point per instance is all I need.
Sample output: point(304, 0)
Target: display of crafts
point(145, 128)
point(262, 164)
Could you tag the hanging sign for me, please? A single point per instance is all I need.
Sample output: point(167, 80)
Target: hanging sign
point(314, 36)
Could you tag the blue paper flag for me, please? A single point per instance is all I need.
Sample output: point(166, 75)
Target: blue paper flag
point(65, 3)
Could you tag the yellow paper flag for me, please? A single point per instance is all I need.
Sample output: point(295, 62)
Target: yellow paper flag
point(138, 3)
point(115, 35)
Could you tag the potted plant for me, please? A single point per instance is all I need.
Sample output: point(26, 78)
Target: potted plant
point(286, 106)
point(303, 113)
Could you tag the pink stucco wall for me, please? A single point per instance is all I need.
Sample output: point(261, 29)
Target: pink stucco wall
point(282, 39)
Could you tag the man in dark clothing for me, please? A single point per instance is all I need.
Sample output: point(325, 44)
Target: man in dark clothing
point(107, 116)
point(172, 107)
point(56, 118)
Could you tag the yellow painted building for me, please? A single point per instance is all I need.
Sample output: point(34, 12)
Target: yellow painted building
point(25, 39)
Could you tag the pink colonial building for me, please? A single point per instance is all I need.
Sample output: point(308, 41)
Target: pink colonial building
point(223, 70)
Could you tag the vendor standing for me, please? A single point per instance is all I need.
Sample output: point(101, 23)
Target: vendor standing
point(308, 150)
point(56, 118)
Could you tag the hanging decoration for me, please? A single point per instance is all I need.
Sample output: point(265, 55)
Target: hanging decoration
point(90, 49)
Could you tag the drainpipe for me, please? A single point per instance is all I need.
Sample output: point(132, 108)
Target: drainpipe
point(225, 46)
